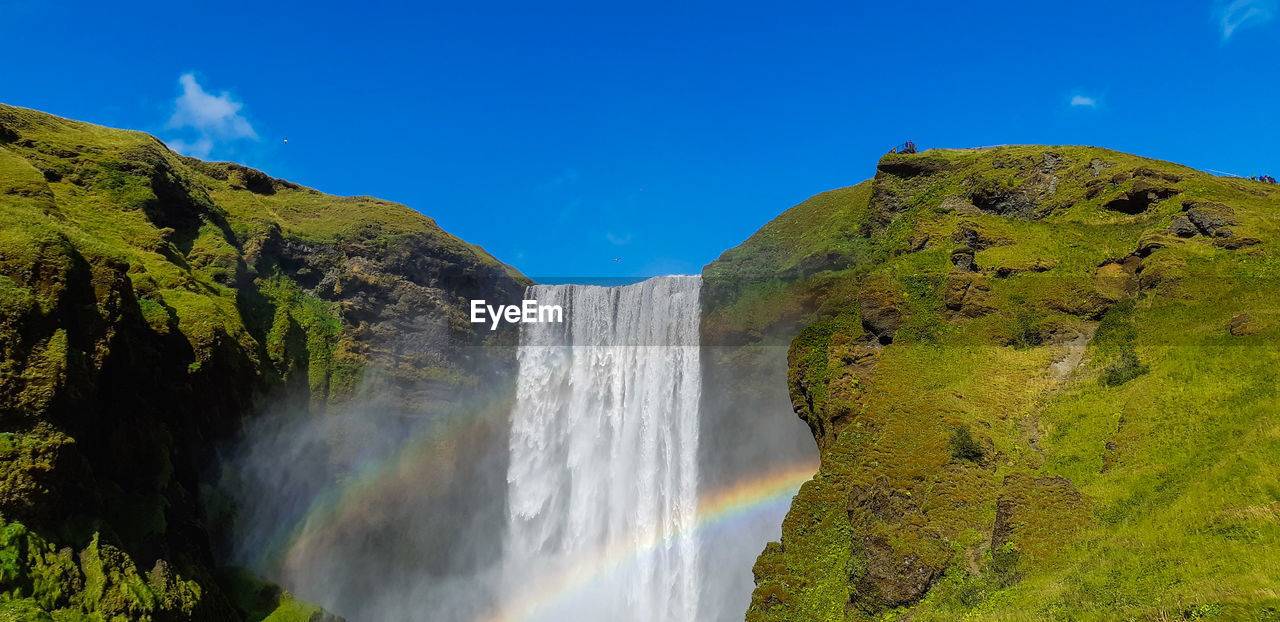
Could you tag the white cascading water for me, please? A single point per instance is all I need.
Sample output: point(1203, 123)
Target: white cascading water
point(602, 483)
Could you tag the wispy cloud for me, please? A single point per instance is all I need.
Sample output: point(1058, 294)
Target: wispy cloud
point(208, 120)
point(617, 240)
point(1233, 15)
point(1080, 101)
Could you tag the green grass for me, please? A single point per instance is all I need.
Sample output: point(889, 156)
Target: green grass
point(1140, 486)
point(40, 581)
point(264, 602)
point(117, 253)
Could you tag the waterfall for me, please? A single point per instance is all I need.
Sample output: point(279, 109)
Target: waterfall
point(602, 483)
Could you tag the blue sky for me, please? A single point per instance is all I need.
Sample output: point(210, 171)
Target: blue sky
point(563, 135)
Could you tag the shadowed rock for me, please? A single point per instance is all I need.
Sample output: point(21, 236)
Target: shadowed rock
point(1141, 197)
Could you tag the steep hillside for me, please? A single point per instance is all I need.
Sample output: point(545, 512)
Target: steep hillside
point(1044, 385)
point(148, 303)
point(756, 298)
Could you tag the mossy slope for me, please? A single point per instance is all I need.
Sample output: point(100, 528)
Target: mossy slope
point(1043, 382)
point(148, 301)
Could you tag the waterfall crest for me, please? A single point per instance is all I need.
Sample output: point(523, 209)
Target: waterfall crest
point(602, 483)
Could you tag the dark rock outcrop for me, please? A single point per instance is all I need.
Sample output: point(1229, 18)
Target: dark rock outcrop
point(962, 259)
point(1209, 218)
point(1183, 227)
point(914, 165)
point(881, 310)
point(1013, 203)
point(893, 578)
point(1140, 197)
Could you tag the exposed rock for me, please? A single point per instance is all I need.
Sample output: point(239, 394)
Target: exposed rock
point(970, 237)
point(1183, 227)
point(1235, 243)
point(1067, 360)
point(1013, 203)
point(973, 236)
point(881, 310)
point(1208, 217)
point(1142, 196)
point(892, 578)
point(962, 259)
point(1051, 162)
point(959, 204)
point(907, 166)
point(967, 295)
point(253, 180)
point(878, 500)
point(888, 201)
point(1088, 302)
point(1154, 174)
point(857, 360)
point(1243, 324)
point(823, 395)
point(1097, 165)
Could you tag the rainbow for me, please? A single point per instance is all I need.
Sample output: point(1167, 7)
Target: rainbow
point(335, 512)
point(719, 507)
point(405, 471)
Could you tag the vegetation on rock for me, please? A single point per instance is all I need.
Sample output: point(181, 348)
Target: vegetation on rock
point(1032, 386)
point(148, 302)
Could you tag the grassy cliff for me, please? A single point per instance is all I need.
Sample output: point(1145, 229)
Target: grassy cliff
point(148, 303)
point(1043, 382)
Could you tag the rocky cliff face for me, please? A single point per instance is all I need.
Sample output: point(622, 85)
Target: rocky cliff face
point(1033, 391)
point(148, 303)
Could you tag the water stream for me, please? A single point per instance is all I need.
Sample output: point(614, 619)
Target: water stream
point(602, 482)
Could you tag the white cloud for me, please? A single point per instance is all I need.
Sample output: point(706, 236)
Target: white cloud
point(1237, 14)
point(617, 240)
point(198, 148)
point(208, 119)
point(1080, 101)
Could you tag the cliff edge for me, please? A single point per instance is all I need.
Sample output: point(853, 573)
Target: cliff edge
point(149, 302)
point(1043, 384)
